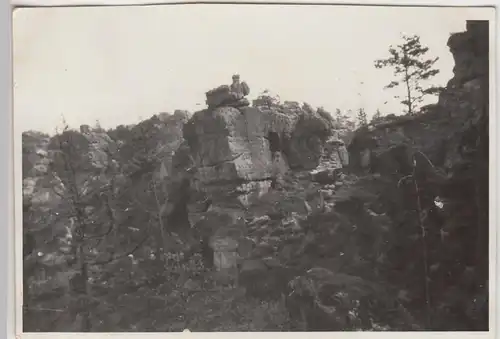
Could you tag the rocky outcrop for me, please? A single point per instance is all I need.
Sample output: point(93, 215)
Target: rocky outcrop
point(149, 147)
point(440, 157)
point(305, 147)
point(169, 138)
point(100, 146)
point(35, 153)
point(334, 158)
point(223, 96)
point(470, 51)
point(228, 144)
point(229, 96)
point(239, 156)
point(461, 106)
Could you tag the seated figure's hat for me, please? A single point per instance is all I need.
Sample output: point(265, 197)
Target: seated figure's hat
point(236, 76)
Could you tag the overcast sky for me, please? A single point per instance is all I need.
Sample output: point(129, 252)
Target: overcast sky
point(120, 64)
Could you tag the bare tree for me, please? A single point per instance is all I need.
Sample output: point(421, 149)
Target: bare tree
point(90, 197)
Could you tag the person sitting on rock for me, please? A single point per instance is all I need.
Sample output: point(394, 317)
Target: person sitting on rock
point(239, 89)
point(236, 87)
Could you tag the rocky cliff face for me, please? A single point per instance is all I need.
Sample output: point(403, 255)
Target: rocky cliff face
point(462, 106)
point(240, 155)
point(240, 144)
point(231, 144)
point(438, 163)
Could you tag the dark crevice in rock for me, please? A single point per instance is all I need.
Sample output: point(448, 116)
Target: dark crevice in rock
point(178, 219)
point(274, 142)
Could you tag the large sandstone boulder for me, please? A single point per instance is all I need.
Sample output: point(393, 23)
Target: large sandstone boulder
point(236, 156)
point(304, 149)
point(238, 144)
point(223, 96)
point(230, 144)
point(334, 158)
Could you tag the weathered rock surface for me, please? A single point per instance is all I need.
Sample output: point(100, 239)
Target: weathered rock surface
point(233, 144)
point(100, 146)
point(223, 96)
point(463, 105)
point(35, 153)
point(335, 156)
point(241, 157)
point(169, 138)
point(439, 155)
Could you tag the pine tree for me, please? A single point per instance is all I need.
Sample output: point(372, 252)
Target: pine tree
point(411, 68)
point(377, 116)
point(350, 120)
point(362, 117)
point(344, 121)
point(266, 98)
point(338, 116)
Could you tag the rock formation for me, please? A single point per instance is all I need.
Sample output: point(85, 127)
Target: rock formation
point(240, 154)
point(443, 152)
point(230, 96)
point(35, 153)
point(334, 158)
point(169, 138)
point(100, 144)
point(462, 105)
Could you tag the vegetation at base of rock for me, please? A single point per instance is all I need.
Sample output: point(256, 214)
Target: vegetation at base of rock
point(330, 228)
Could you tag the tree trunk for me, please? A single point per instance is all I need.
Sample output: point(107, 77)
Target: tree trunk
point(162, 243)
point(86, 324)
point(408, 91)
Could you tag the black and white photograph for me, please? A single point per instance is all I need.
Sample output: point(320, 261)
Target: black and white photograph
point(253, 168)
